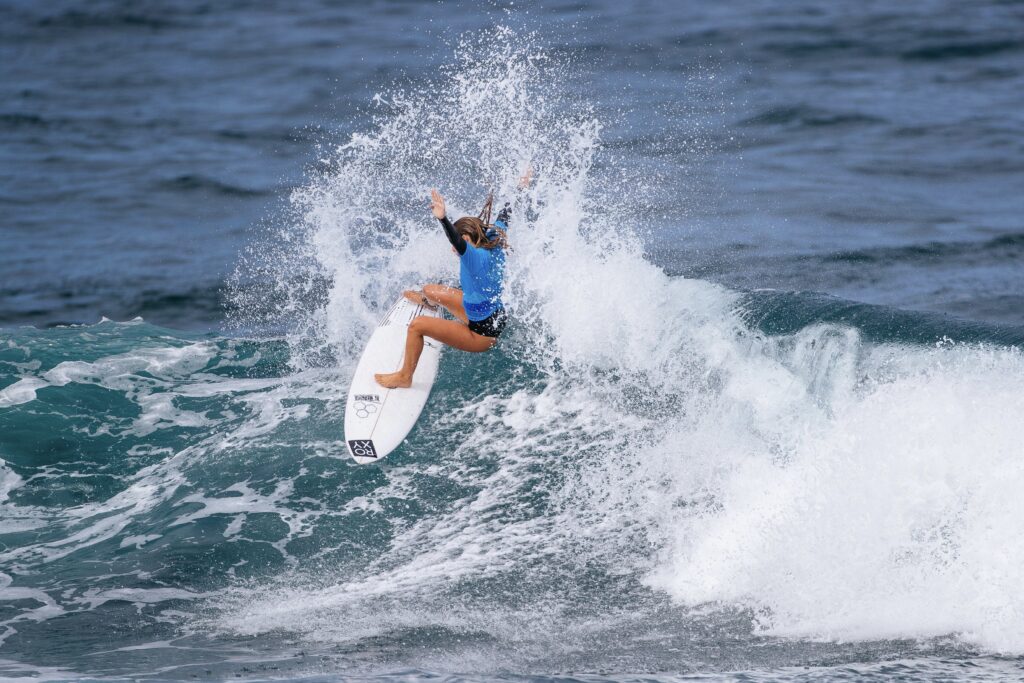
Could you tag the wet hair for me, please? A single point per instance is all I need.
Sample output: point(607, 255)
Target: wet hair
point(479, 231)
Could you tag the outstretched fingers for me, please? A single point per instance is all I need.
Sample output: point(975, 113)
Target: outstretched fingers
point(437, 204)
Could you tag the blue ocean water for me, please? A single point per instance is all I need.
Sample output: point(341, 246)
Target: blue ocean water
point(756, 416)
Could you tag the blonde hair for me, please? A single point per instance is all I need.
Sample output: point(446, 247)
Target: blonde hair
point(476, 229)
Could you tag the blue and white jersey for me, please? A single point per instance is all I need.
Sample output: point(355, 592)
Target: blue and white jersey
point(481, 274)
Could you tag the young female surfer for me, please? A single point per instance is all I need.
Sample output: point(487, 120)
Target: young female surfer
point(480, 315)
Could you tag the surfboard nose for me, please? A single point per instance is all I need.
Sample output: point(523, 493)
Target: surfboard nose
point(362, 450)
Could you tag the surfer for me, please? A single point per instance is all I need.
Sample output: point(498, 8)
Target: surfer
point(479, 313)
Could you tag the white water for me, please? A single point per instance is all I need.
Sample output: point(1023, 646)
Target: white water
point(840, 489)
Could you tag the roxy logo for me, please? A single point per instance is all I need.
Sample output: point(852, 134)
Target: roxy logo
point(362, 448)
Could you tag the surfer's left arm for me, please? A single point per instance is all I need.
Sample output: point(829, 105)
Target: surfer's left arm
point(526, 179)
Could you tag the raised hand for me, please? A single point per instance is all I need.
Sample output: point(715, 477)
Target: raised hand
point(437, 204)
point(527, 177)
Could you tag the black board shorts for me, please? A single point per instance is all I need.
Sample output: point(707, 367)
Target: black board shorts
point(492, 325)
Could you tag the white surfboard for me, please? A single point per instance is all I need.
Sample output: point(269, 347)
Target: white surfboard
point(377, 420)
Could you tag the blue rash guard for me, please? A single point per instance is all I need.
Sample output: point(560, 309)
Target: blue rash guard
point(481, 271)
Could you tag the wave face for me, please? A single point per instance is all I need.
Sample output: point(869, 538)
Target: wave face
point(650, 473)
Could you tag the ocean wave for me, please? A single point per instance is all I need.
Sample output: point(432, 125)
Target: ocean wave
point(962, 50)
point(192, 182)
point(18, 120)
point(810, 117)
point(79, 19)
point(775, 312)
point(1009, 246)
point(87, 299)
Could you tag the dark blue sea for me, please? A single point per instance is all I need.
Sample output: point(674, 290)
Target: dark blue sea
point(757, 415)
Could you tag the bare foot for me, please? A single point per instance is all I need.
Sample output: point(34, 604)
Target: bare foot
point(394, 380)
point(418, 298)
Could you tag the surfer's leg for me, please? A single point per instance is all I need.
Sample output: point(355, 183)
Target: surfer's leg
point(419, 298)
point(449, 332)
point(449, 297)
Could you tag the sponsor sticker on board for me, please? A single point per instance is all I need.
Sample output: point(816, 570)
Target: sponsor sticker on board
point(362, 448)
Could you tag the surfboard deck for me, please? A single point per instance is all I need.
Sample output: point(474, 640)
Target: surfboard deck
point(377, 420)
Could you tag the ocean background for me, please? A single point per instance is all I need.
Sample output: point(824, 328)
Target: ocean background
point(757, 415)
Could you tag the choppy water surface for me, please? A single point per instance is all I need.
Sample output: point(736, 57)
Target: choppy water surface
point(757, 415)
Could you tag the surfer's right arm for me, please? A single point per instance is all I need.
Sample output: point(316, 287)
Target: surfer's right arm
point(524, 184)
point(506, 211)
point(455, 238)
point(438, 209)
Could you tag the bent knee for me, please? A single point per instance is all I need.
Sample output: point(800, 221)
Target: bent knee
point(420, 324)
point(433, 291)
point(488, 343)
